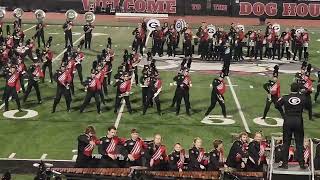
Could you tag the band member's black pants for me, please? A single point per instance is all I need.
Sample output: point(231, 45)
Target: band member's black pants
point(10, 91)
point(44, 67)
point(298, 49)
point(293, 125)
point(87, 100)
point(317, 93)
point(273, 100)
point(214, 100)
point(68, 39)
point(87, 40)
point(183, 93)
point(40, 37)
point(79, 70)
point(118, 102)
point(32, 83)
point(62, 90)
point(258, 51)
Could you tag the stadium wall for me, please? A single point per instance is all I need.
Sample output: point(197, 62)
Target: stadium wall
point(235, 8)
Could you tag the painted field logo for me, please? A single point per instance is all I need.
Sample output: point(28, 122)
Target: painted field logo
point(12, 114)
point(262, 122)
point(218, 120)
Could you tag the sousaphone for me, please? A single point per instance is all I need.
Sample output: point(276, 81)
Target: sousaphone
point(40, 15)
point(17, 13)
point(89, 17)
point(2, 13)
point(71, 15)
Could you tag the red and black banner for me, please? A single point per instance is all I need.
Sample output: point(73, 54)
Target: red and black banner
point(277, 9)
point(220, 8)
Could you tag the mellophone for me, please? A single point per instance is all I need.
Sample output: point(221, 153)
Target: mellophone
point(127, 172)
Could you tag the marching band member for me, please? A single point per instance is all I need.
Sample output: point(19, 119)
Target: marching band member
point(286, 38)
point(107, 148)
point(156, 154)
point(47, 57)
point(238, 151)
point(88, 28)
point(12, 81)
point(67, 28)
point(256, 154)
point(216, 156)
point(176, 158)
point(86, 144)
point(35, 73)
point(218, 89)
point(197, 159)
point(123, 91)
point(305, 39)
point(93, 86)
point(63, 79)
point(134, 148)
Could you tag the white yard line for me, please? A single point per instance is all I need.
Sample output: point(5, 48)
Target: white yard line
point(12, 155)
point(116, 124)
point(30, 28)
point(244, 121)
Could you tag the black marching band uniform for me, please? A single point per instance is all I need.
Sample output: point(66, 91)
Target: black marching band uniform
point(134, 148)
point(256, 156)
point(156, 156)
point(238, 151)
point(40, 34)
point(35, 73)
point(88, 28)
point(272, 87)
point(197, 159)
point(63, 79)
point(12, 80)
point(123, 91)
point(93, 86)
point(218, 89)
point(47, 58)
point(67, 28)
point(86, 144)
point(176, 160)
point(293, 105)
point(183, 86)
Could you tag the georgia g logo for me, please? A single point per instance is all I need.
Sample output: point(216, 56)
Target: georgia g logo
point(294, 101)
point(152, 24)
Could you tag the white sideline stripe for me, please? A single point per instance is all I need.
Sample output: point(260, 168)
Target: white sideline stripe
point(116, 124)
point(43, 156)
point(244, 121)
point(74, 157)
point(12, 155)
point(251, 86)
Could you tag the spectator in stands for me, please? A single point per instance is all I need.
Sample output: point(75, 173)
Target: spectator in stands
point(317, 158)
point(238, 152)
point(216, 158)
point(197, 160)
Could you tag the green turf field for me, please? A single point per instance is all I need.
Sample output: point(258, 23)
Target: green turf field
point(55, 134)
